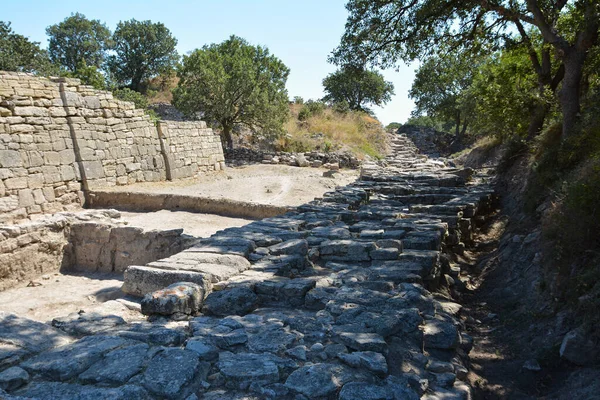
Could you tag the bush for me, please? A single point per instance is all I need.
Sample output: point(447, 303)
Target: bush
point(89, 75)
point(298, 100)
point(127, 94)
point(341, 107)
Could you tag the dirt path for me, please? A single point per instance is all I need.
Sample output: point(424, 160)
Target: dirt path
point(279, 185)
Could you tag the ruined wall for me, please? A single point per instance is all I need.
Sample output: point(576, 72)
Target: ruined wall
point(59, 138)
point(192, 147)
point(92, 241)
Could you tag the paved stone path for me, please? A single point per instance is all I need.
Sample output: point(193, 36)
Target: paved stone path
point(333, 301)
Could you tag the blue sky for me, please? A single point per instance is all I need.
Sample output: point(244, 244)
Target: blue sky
point(301, 34)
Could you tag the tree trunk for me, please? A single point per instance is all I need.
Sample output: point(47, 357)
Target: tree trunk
point(227, 136)
point(536, 123)
point(457, 121)
point(570, 91)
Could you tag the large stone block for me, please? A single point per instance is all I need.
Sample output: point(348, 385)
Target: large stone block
point(10, 159)
point(139, 281)
point(181, 297)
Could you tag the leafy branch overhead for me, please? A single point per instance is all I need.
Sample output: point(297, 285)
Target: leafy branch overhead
point(383, 32)
point(232, 83)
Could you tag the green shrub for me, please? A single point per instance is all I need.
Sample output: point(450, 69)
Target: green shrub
point(341, 107)
point(127, 94)
point(298, 100)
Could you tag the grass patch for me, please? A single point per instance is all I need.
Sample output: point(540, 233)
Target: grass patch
point(327, 130)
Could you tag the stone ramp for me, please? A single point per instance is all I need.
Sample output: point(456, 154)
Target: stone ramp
point(332, 300)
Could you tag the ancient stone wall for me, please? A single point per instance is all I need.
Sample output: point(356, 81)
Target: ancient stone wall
point(192, 147)
point(93, 241)
point(59, 138)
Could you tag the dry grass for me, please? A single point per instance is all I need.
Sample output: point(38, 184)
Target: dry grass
point(356, 132)
point(160, 89)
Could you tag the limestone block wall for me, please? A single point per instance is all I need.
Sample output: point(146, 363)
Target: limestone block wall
point(92, 241)
point(59, 138)
point(192, 147)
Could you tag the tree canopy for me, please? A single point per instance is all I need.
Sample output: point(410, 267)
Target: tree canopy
point(18, 53)
point(440, 85)
point(78, 41)
point(358, 87)
point(232, 83)
point(383, 32)
point(143, 49)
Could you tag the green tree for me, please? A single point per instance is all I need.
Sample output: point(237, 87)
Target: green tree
point(78, 41)
point(143, 50)
point(385, 31)
point(439, 89)
point(358, 87)
point(505, 94)
point(232, 83)
point(89, 75)
point(18, 53)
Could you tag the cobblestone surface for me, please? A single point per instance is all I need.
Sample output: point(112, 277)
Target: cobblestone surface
point(338, 301)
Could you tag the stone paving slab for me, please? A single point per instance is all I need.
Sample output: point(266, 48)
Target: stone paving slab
point(331, 300)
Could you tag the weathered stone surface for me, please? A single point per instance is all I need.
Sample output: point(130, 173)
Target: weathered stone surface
point(440, 335)
point(68, 361)
point(363, 341)
point(83, 324)
point(235, 301)
point(58, 390)
point(246, 368)
point(272, 340)
point(181, 297)
point(318, 380)
point(579, 348)
point(151, 333)
point(13, 378)
point(365, 391)
point(117, 366)
point(374, 362)
point(296, 246)
point(206, 351)
point(19, 331)
point(174, 373)
point(139, 281)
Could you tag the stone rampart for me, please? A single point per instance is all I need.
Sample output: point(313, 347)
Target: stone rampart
point(59, 139)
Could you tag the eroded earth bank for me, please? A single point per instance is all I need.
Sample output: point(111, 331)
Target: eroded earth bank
point(349, 296)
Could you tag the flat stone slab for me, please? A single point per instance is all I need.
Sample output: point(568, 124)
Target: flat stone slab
point(117, 366)
point(247, 368)
point(174, 373)
point(59, 390)
point(234, 301)
point(28, 335)
point(318, 380)
point(139, 281)
point(65, 362)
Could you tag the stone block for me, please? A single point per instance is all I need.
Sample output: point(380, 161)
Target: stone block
point(139, 281)
point(16, 183)
point(10, 159)
point(26, 198)
point(30, 112)
point(178, 298)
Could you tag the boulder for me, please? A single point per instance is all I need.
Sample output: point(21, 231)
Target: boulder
point(579, 348)
point(182, 297)
point(234, 301)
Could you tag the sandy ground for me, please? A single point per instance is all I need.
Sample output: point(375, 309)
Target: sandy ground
point(279, 185)
point(194, 224)
point(57, 295)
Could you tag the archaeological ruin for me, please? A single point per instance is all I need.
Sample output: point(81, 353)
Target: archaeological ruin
point(349, 296)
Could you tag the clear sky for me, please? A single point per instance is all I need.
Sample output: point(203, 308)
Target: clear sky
point(300, 33)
